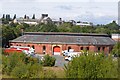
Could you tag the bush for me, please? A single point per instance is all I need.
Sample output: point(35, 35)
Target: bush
point(116, 49)
point(27, 71)
point(20, 71)
point(92, 66)
point(48, 61)
point(9, 62)
point(31, 60)
point(49, 74)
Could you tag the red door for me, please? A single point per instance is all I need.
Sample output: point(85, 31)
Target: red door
point(56, 50)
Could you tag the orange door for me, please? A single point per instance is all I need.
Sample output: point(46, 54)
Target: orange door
point(57, 49)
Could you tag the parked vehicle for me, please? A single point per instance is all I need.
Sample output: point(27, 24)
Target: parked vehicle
point(70, 54)
point(19, 49)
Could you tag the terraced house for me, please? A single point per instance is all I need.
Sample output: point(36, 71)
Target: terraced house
point(54, 43)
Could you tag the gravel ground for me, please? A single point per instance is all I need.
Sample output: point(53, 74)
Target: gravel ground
point(60, 61)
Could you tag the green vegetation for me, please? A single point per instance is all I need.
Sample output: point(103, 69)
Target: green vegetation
point(48, 61)
point(92, 66)
point(116, 49)
point(19, 65)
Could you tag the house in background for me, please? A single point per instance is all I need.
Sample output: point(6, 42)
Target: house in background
point(116, 37)
point(57, 22)
point(27, 21)
point(53, 43)
point(82, 24)
point(46, 19)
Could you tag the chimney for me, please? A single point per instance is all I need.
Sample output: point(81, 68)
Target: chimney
point(60, 19)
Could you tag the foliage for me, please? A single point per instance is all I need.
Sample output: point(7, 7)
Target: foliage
point(27, 71)
point(19, 65)
point(48, 61)
point(49, 74)
point(13, 59)
point(50, 27)
point(9, 62)
point(19, 72)
point(9, 33)
point(92, 67)
point(116, 49)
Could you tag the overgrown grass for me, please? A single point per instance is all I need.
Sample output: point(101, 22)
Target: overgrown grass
point(58, 71)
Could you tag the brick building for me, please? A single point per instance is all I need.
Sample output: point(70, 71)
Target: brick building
point(54, 43)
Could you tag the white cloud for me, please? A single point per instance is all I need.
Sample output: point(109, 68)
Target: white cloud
point(98, 12)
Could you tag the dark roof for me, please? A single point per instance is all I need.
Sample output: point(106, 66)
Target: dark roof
point(65, 33)
point(65, 38)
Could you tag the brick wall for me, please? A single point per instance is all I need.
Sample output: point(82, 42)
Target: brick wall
point(49, 47)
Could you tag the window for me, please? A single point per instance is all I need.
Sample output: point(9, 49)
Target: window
point(33, 47)
point(81, 48)
point(28, 45)
point(87, 48)
point(11, 44)
point(103, 48)
point(98, 48)
point(44, 48)
point(69, 48)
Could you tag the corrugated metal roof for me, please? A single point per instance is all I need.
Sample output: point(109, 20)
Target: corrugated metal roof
point(65, 39)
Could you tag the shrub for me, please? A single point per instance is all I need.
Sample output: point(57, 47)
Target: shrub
point(48, 61)
point(9, 62)
point(92, 66)
point(27, 71)
point(49, 74)
point(20, 71)
point(35, 71)
point(31, 60)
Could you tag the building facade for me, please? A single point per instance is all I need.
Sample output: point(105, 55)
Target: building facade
point(116, 37)
point(54, 43)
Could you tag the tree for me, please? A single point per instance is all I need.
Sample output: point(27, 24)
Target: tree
point(8, 17)
point(116, 49)
point(7, 34)
point(25, 17)
point(92, 66)
point(49, 27)
point(14, 17)
point(4, 20)
point(33, 16)
point(48, 61)
point(3, 16)
point(112, 26)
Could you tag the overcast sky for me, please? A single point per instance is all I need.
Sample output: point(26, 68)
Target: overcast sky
point(96, 11)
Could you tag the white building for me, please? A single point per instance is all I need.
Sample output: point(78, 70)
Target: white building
point(116, 37)
point(79, 23)
point(27, 21)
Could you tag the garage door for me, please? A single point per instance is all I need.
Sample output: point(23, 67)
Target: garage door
point(56, 50)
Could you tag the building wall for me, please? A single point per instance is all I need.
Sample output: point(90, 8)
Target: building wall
point(116, 37)
point(77, 48)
